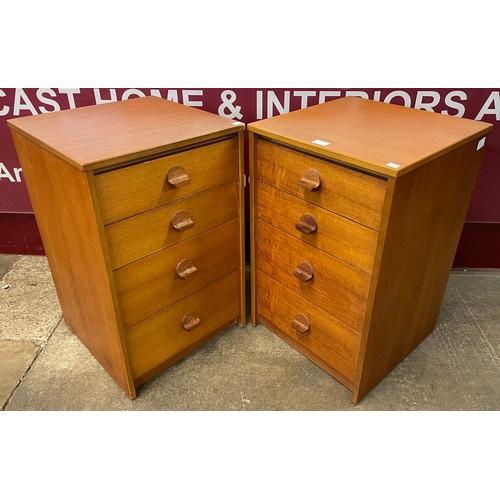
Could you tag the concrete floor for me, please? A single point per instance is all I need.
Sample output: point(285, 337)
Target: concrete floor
point(43, 366)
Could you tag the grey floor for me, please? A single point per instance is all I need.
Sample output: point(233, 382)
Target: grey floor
point(43, 366)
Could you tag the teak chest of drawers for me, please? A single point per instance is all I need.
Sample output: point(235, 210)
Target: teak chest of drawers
point(140, 208)
point(356, 212)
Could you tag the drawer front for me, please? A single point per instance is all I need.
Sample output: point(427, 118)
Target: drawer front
point(162, 336)
point(340, 237)
point(334, 343)
point(347, 192)
point(155, 282)
point(131, 190)
point(335, 287)
point(136, 237)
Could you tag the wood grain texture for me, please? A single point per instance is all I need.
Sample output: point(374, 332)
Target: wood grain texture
point(160, 337)
point(424, 223)
point(425, 199)
point(62, 200)
point(370, 134)
point(151, 284)
point(207, 166)
point(336, 235)
point(242, 318)
point(338, 289)
point(94, 137)
point(345, 191)
point(330, 340)
point(150, 175)
point(141, 235)
point(252, 169)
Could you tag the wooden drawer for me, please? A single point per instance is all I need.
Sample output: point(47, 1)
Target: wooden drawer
point(346, 240)
point(162, 336)
point(334, 343)
point(151, 284)
point(136, 237)
point(339, 289)
point(206, 167)
point(345, 191)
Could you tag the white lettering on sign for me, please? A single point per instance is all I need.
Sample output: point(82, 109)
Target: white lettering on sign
point(428, 106)
point(40, 94)
point(323, 94)
point(228, 98)
point(70, 93)
point(258, 104)
point(480, 144)
point(5, 174)
point(132, 92)
point(494, 98)
point(21, 101)
point(100, 100)
point(304, 97)
point(172, 95)
point(268, 103)
point(399, 93)
point(186, 97)
point(273, 101)
point(4, 110)
point(448, 100)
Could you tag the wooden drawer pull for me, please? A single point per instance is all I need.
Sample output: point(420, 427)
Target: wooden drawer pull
point(310, 180)
point(191, 321)
point(181, 220)
point(307, 224)
point(304, 271)
point(177, 177)
point(185, 269)
point(301, 324)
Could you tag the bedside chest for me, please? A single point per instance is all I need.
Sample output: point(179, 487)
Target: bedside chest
point(356, 212)
point(140, 207)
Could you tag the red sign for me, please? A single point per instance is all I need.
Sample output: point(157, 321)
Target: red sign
point(249, 105)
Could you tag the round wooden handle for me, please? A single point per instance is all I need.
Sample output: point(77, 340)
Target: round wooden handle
point(304, 271)
point(185, 269)
point(191, 321)
point(301, 323)
point(307, 224)
point(310, 181)
point(181, 221)
point(177, 177)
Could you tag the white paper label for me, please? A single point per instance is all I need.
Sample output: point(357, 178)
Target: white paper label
point(480, 144)
point(393, 165)
point(320, 142)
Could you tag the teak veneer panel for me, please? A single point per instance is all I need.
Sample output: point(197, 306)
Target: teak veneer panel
point(347, 192)
point(341, 237)
point(420, 212)
point(339, 289)
point(71, 234)
point(161, 336)
point(328, 340)
point(100, 136)
point(425, 220)
point(104, 199)
point(129, 241)
point(151, 284)
point(369, 134)
point(207, 166)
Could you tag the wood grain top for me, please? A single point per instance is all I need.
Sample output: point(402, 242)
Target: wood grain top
point(371, 134)
point(97, 136)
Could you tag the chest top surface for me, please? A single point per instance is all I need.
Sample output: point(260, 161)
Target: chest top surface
point(383, 138)
point(96, 136)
